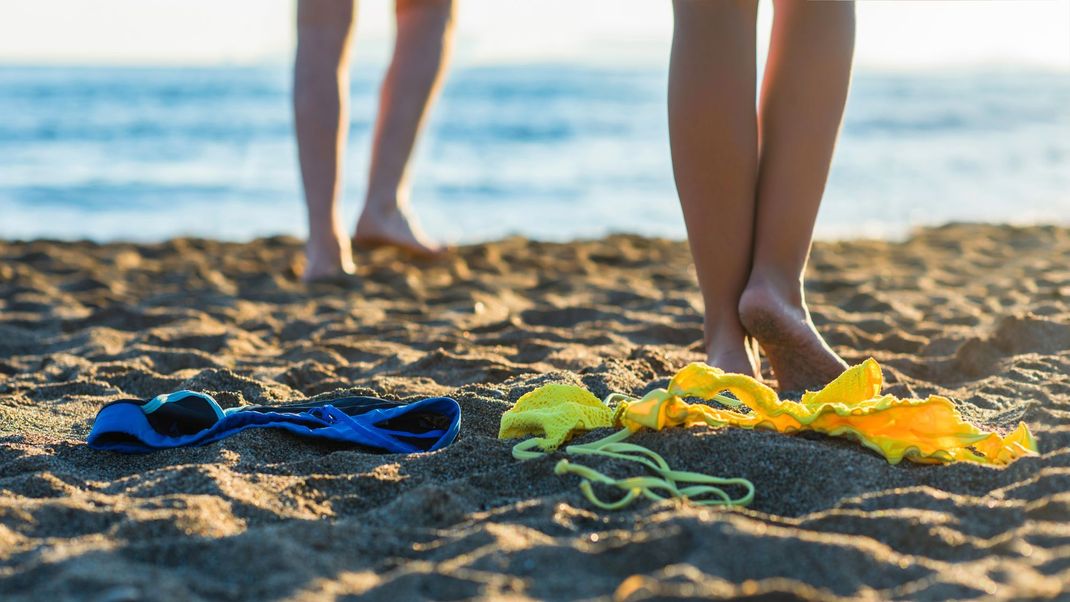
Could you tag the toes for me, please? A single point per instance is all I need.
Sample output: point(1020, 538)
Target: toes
point(412, 247)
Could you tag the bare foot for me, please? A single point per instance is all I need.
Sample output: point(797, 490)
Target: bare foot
point(396, 227)
point(800, 358)
point(327, 256)
point(733, 355)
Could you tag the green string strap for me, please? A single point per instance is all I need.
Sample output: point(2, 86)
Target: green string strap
point(704, 490)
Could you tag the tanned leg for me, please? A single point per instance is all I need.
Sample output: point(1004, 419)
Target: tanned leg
point(321, 117)
point(803, 94)
point(424, 38)
point(714, 140)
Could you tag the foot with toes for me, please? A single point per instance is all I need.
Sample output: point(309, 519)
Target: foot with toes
point(328, 255)
point(734, 354)
point(779, 322)
point(394, 226)
point(329, 252)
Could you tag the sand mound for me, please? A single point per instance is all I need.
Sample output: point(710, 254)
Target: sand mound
point(977, 313)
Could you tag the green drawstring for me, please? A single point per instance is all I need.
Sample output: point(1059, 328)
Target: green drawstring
point(702, 490)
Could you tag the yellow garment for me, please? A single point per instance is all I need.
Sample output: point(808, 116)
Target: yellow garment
point(556, 412)
point(922, 430)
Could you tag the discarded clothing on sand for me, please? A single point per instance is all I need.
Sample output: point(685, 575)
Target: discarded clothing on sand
point(187, 418)
point(921, 430)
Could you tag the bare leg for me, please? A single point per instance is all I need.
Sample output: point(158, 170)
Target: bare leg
point(424, 36)
point(803, 94)
point(714, 139)
point(321, 116)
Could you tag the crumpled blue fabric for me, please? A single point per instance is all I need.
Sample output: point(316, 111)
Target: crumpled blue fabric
point(187, 418)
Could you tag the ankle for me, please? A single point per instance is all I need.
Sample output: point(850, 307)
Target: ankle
point(330, 235)
point(732, 355)
point(765, 287)
point(723, 335)
point(327, 254)
point(381, 205)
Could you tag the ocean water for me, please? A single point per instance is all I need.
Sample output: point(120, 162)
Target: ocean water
point(549, 152)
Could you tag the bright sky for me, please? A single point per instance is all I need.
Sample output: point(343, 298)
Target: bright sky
point(893, 34)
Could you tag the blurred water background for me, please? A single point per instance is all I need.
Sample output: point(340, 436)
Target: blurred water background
point(550, 152)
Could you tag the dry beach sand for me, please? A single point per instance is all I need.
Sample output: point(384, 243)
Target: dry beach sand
point(978, 313)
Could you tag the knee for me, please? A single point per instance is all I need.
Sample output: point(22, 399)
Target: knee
point(721, 9)
point(439, 11)
point(326, 17)
point(818, 11)
point(324, 28)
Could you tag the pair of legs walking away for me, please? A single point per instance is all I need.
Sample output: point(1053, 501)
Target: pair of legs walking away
point(321, 115)
point(751, 178)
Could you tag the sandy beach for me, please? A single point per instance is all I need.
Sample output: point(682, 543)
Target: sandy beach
point(977, 313)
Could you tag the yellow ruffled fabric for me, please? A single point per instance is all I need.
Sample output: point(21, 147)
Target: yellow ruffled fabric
point(921, 430)
point(555, 412)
